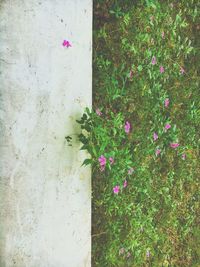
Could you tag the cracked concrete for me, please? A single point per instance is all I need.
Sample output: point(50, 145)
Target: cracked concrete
point(45, 205)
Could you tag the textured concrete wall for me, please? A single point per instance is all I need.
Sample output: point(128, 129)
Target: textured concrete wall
point(44, 194)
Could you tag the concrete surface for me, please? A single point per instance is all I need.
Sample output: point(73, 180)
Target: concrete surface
point(45, 205)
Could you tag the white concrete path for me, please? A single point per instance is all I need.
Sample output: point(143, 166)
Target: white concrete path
point(45, 205)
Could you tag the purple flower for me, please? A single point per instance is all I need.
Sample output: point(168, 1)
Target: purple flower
point(158, 151)
point(130, 171)
point(182, 71)
point(127, 127)
point(116, 189)
point(183, 156)
point(98, 112)
point(102, 162)
point(167, 126)
point(163, 35)
point(174, 145)
point(125, 184)
point(153, 61)
point(162, 69)
point(166, 102)
point(66, 43)
point(155, 136)
point(148, 253)
point(111, 160)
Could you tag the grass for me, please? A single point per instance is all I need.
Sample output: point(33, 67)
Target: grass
point(145, 74)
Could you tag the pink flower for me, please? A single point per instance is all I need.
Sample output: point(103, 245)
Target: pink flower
point(127, 127)
point(163, 35)
point(183, 156)
point(102, 161)
point(166, 102)
point(158, 151)
point(167, 126)
point(66, 43)
point(111, 160)
point(131, 74)
point(98, 112)
point(125, 184)
point(153, 61)
point(116, 189)
point(155, 136)
point(182, 71)
point(162, 69)
point(174, 145)
point(130, 171)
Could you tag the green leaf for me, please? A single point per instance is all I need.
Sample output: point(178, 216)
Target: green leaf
point(86, 162)
point(79, 121)
point(84, 117)
point(116, 96)
point(84, 147)
point(87, 110)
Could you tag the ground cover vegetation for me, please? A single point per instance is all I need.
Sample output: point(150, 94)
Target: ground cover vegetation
point(143, 134)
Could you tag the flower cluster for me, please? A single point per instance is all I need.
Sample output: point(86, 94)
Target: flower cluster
point(162, 69)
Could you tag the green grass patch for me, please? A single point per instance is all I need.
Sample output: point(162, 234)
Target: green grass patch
point(143, 134)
